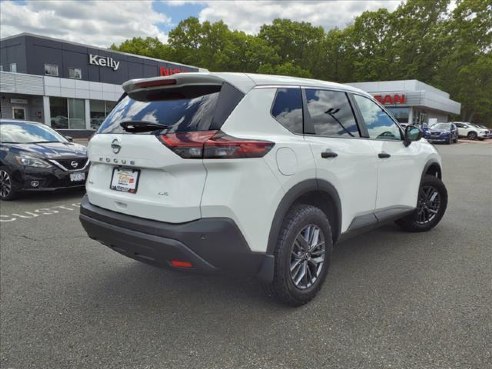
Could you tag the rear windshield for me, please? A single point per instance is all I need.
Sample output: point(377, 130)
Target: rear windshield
point(177, 112)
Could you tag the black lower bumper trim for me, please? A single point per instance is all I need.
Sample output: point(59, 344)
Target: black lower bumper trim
point(209, 244)
point(150, 249)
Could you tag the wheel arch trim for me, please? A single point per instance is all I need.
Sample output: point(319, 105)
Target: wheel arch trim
point(293, 195)
point(433, 163)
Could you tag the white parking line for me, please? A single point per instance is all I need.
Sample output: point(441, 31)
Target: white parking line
point(5, 218)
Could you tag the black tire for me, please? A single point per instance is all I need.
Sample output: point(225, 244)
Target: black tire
point(472, 135)
point(7, 185)
point(455, 140)
point(423, 218)
point(449, 141)
point(295, 227)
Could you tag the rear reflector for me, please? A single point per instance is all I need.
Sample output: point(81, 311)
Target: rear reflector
point(214, 145)
point(181, 264)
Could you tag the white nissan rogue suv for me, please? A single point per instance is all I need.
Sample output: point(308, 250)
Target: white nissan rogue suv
point(253, 175)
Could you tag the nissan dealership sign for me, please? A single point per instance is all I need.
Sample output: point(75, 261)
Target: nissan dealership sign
point(104, 61)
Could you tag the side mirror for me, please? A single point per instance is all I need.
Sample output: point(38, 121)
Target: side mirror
point(412, 133)
point(69, 138)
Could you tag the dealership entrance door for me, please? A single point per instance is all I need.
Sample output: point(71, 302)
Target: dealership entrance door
point(19, 112)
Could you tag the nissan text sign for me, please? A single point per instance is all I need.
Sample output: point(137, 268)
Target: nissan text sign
point(394, 99)
point(104, 61)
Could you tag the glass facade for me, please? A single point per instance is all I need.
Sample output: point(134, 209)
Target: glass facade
point(401, 114)
point(59, 112)
point(99, 110)
point(67, 113)
point(76, 114)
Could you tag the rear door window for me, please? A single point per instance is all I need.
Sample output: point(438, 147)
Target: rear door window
point(331, 113)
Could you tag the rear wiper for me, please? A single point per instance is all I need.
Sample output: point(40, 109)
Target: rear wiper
point(134, 126)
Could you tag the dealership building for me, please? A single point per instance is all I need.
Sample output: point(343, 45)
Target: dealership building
point(412, 101)
point(68, 85)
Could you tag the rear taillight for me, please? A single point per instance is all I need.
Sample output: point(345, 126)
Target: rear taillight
point(214, 145)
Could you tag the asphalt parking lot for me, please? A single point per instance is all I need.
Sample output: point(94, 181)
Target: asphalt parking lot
point(391, 299)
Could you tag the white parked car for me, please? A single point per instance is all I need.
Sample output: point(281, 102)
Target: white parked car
point(471, 131)
point(253, 175)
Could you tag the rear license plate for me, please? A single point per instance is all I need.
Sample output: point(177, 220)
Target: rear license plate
point(77, 177)
point(125, 180)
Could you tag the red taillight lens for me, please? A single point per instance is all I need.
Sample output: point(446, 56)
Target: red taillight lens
point(214, 145)
point(188, 145)
point(222, 146)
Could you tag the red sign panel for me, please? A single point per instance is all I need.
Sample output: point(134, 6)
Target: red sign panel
point(391, 99)
point(163, 71)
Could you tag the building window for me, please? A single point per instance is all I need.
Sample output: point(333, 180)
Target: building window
point(13, 67)
point(75, 73)
point(67, 113)
point(99, 111)
point(401, 114)
point(76, 113)
point(51, 70)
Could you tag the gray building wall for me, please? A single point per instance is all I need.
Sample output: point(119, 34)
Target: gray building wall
point(31, 53)
point(33, 107)
point(13, 51)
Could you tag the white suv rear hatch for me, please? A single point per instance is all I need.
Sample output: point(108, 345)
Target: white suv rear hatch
point(133, 171)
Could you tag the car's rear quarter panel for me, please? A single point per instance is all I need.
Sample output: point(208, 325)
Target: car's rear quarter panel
point(250, 190)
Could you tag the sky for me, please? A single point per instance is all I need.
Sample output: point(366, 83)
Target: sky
point(102, 23)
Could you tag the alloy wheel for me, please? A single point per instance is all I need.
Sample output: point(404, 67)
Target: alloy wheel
point(5, 184)
point(307, 256)
point(428, 204)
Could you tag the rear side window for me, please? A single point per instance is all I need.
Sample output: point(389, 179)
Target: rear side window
point(178, 110)
point(331, 114)
point(287, 109)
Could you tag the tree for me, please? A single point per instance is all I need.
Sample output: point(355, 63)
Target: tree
point(466, 71)
point(371, 44)
point(297, 43)
point(150, 46)
point(419, 38)
point(285, 69)
point(247, 53)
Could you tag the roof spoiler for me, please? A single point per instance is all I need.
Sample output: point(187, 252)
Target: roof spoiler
point(176, 80)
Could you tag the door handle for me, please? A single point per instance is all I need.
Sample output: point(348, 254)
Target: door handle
point(383, 155)
point(328, 154)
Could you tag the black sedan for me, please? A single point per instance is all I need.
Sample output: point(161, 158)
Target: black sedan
point(33, 157)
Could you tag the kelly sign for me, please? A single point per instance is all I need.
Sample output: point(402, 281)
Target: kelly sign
point(104, 61)
point(391, 99)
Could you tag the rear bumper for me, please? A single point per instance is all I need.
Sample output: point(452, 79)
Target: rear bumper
point(211, 245)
